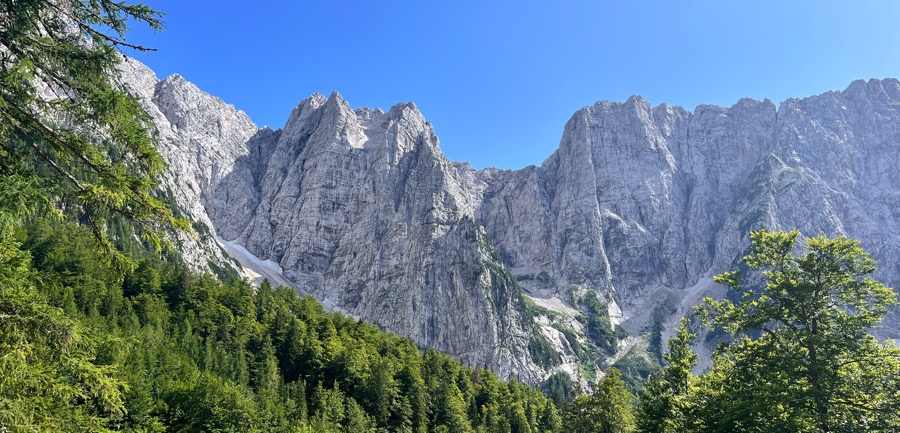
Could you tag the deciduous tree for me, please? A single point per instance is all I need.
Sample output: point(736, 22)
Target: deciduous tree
point(803, 359)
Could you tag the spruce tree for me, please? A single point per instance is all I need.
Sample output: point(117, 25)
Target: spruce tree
point(607, 410)
point(70, 132)
point(665, 404)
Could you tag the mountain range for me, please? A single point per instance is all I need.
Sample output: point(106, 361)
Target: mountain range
point(636, 211)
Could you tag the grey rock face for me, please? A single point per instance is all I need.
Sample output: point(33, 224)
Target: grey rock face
point(635, 196)
point(361, 209)
point(643, 201)
point(201, 137)
point(357, 207)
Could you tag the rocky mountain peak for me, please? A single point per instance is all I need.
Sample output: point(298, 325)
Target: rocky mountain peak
point(336, 102)
point(335, 179)
point(640, 205)
point(873, 89)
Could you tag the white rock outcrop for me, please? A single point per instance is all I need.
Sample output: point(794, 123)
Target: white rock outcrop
point(201, 137)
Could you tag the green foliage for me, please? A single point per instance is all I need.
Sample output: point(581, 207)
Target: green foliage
point(656, 329)
point(542, 351)
point(160, 348)
point(91, 341)
point(597, 325)
point(665, 404)
point(48, 378)
point(71, 134)
point(607, 410)
point(560, 388)
point(207, 402)
point(638, 364)
point(813, 364)
point(801, 359)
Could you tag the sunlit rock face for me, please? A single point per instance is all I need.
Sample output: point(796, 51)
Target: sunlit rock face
point(634, 201)
point(643, 201)
point(360, 208)
point(201, 137)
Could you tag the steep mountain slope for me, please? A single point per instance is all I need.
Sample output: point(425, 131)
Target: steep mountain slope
point(640, 204)
point(360, 208)
point(201, 137)
point(646, 201)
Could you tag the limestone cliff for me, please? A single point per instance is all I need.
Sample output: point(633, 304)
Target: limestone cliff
point(639, 204)
point(361, 208)
point(646, 201)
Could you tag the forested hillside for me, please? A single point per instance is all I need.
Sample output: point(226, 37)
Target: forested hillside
point(87, 345)
point(88, 348)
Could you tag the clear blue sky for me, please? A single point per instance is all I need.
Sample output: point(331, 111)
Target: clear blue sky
point(499, 79)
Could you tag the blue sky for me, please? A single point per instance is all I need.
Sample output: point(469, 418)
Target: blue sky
point(499, 79)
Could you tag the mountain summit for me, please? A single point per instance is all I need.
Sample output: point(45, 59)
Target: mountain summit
point(638, 208)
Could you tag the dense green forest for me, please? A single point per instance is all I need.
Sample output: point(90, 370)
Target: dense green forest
point(159, 348)
point(88, 346)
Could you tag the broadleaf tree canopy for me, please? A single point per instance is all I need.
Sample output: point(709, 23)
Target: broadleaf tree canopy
point(803, 359)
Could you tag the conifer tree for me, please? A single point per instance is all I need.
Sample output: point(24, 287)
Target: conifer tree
point(607, 410)
point(665, 403)
point(69, 130)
